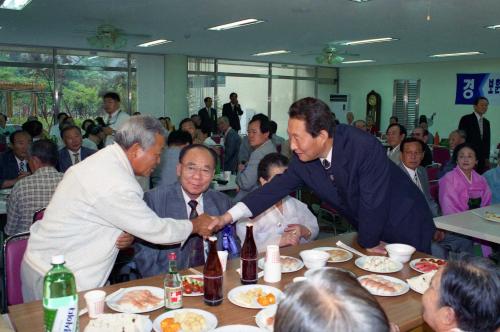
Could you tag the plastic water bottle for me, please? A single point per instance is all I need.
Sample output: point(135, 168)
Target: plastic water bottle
point(60, 298)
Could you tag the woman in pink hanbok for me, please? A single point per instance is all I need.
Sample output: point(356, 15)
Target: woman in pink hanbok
point(460, 190)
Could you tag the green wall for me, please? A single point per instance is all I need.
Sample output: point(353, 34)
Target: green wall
point(437, 91)
point(176, 106)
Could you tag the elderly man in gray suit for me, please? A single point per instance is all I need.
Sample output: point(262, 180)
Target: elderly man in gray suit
point(412, 153)
point(232, 143)
point(187, 198)
point(259, 137)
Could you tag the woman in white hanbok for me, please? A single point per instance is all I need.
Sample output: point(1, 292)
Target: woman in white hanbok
point(287, 223)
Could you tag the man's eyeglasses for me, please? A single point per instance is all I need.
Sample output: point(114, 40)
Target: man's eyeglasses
point(204, 171)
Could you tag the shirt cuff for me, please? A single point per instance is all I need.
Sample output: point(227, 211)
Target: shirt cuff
point(240, 210)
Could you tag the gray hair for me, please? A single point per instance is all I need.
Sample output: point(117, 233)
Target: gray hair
point(139, 129)
point(329, 300)
point(223, 119)
point(460, 133)
point(359, 121)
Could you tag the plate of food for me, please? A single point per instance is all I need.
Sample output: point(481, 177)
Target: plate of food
point(192, 285)
point(492, 216)
point(119, 322)
point(383, 285)
point(378, 264)
point(265, 318)
point(337, 255)
point(238, 328)
point(422, 282)
point(136, 300)
point(185, 320)
point(288, 264)
point(424, 265)
point(254, 296)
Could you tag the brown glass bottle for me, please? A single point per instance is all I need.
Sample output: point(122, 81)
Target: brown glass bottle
point(249, 258)
point(212, 276)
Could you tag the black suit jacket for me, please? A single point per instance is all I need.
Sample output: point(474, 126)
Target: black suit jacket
point(364, 186)
point(208, 121)
point(9, 169)
point(65, 159)
point(232, 115)
point(470, 125)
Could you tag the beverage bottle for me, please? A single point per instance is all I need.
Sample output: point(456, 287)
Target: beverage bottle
point(212, 275)
point(249, 258)
point(60, 298)
point(172, 284)
point(436, 139)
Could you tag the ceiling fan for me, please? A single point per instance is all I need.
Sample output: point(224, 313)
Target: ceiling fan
point(107, 36)
point(331, 55)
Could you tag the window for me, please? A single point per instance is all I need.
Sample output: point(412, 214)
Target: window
point(405, 102)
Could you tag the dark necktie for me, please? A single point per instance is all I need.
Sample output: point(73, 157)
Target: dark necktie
point(22, 166)
point(197, 254)
point(76, 157)
point(326, 164)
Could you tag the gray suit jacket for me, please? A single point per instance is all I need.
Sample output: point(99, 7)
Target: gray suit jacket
point(247, 180)
point(394, 155)
point(168, 201)
point(232, 144)
point(424, 182)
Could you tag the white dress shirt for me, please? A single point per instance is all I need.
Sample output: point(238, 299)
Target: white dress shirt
point(115, 121)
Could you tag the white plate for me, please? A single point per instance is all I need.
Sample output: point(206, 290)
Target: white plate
point(422, 282)
point(148, 324)
point(156, 291)
point(417, 260)
point(263, 315)
point(197, 276)
point(238, 328)
point(348, 257)
point(404, 290)
point(210, 319)
point(233, 295)
point(360, 262)
point(294, 268)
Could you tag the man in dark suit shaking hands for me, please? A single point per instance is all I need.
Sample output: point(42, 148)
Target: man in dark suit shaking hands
point(348, 169)
point(232, 111)
point(477, 128)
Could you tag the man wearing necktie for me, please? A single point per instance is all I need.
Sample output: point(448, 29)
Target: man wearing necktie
point(73, 151)
point(14, 162)
point(478, 134)
point(361, 183)
point(187, 198)
point(115, 117)
point(232, 111)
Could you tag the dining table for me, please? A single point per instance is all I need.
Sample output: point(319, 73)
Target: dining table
point(404, 310)
point(472, 223)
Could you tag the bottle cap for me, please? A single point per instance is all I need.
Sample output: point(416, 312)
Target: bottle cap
point(59, 259)
point(172, 256)
point(212, 238)
point(249, 224)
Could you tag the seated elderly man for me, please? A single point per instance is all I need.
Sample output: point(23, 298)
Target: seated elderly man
point(412, 153)
point(396, 133)
point(33, 192)
point(259, 137)
point(14, 162)
point(423, 135)
point(73, 151)
point(464, 295)
point(455, 138)
point(318, 304)
point(360, 124)
point(187, 198)
point(95, 203)
point(232, 143)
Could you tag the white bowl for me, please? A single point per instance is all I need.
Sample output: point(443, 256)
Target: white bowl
point(400, 252)
point(314, 258)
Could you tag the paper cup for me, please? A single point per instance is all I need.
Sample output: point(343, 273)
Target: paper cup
point(273, 254)
point(223, 258)
point(95, 302)
point(227, 175)
point(272, 272)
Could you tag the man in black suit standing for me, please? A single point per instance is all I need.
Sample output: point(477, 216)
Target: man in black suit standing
point(477, 128)
point(232, 111)
point(349, 170)
point(208, 116)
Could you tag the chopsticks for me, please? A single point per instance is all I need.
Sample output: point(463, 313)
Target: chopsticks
point(346, 247)
point(194, 271)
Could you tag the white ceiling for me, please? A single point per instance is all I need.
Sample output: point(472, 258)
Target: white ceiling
point(301, 26)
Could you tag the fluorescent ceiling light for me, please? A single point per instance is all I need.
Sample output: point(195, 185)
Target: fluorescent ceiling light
point(14, 4)
point(493, 27)
point(444, 55)
point(360, 0)
point(358, 61)
point(271, 53)
point(369, 41)
point(155, 43)
point(239, 24)
point(93, 57)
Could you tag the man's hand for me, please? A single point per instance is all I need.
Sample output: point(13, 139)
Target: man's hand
point(219, 222)
point(241, 167)
point(380, 249)
point(438, 236)
point(124, 240)
point(201, 225)
point(107, 131)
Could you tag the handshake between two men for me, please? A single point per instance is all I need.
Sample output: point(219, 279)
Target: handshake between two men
point(205, 225)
